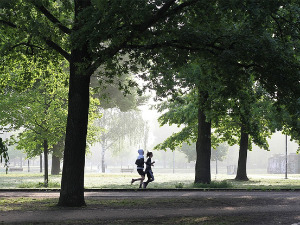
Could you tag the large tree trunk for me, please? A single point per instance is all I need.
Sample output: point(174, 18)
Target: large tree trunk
point(55, 169)
point(72, 183)
point(242, 162)
point(46, 179)
point(203, 145)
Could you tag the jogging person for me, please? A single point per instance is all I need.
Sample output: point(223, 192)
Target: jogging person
point(140, 167)
point(148, 170)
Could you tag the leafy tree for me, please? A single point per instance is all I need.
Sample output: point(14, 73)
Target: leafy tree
point(4, 154)
point(252, 118)
point(249, 107)
point(119, 128)
point(237, 45)
point(117, 103)
point(40, 113)
point(89, 34)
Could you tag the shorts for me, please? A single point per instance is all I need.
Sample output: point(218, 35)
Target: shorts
point(141, 172)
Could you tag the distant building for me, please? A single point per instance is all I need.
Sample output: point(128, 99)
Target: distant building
point(276, 164)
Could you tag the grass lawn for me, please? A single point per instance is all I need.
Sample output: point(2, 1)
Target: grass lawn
point(162, 180)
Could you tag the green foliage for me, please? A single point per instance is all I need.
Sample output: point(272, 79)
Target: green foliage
point(4, 154)
point(114, 95)
point(179, 185)
point(39, 112)
point(240, 45)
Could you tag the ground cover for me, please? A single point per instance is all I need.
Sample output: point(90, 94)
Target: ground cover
point(225, 210)
point(162, 181)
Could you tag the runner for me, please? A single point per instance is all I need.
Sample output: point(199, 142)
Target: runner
point(148, 170)
point(140, 167)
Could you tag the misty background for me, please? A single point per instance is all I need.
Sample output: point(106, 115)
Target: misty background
point(123, 156)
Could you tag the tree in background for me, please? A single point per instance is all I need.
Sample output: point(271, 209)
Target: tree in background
point(239, 44)
point(40, 113)
point(4, 154)
point(219, 153)
point(121, 121)
point(120, 129)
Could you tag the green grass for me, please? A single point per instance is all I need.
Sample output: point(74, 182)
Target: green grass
point(214, 184)
point(162, 181)
point(39, 185)
point(10, 204)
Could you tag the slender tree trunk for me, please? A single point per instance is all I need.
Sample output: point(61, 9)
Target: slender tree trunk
point(72, 183)
point(103, 155)
point(203, 145)
point(45, 145)
point(55, 169)
point(242, 161)
point(41, 163)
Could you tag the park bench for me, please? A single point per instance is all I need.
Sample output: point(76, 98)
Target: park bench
point(126, 170)
point(15, 169)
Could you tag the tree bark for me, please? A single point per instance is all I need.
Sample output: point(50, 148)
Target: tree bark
point(46, 179)
point(242, 161)
point(203, 145)
point(72, 183)
point(55, 169)
point(41, 163)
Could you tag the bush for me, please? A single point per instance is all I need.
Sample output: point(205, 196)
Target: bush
point(179, 185)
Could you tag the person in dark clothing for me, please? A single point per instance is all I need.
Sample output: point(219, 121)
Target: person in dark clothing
point(140, 167)
point(148, 170)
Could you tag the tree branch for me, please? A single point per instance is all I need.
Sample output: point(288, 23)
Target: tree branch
point(160, 14)
point(50, 43)
point(28, 45)
point(8, 23)
point(52, 18)
point(57, 48)
point(173, 44)
point(181, 7)
point(142, 27)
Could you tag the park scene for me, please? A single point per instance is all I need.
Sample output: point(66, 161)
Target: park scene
point(150, 112)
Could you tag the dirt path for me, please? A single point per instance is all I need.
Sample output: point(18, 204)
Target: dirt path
point(231, 207)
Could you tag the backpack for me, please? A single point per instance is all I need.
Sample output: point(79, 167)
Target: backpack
point(139, 162)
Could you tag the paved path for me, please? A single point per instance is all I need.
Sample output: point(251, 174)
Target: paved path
point(153, 193)
point(281, 207)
